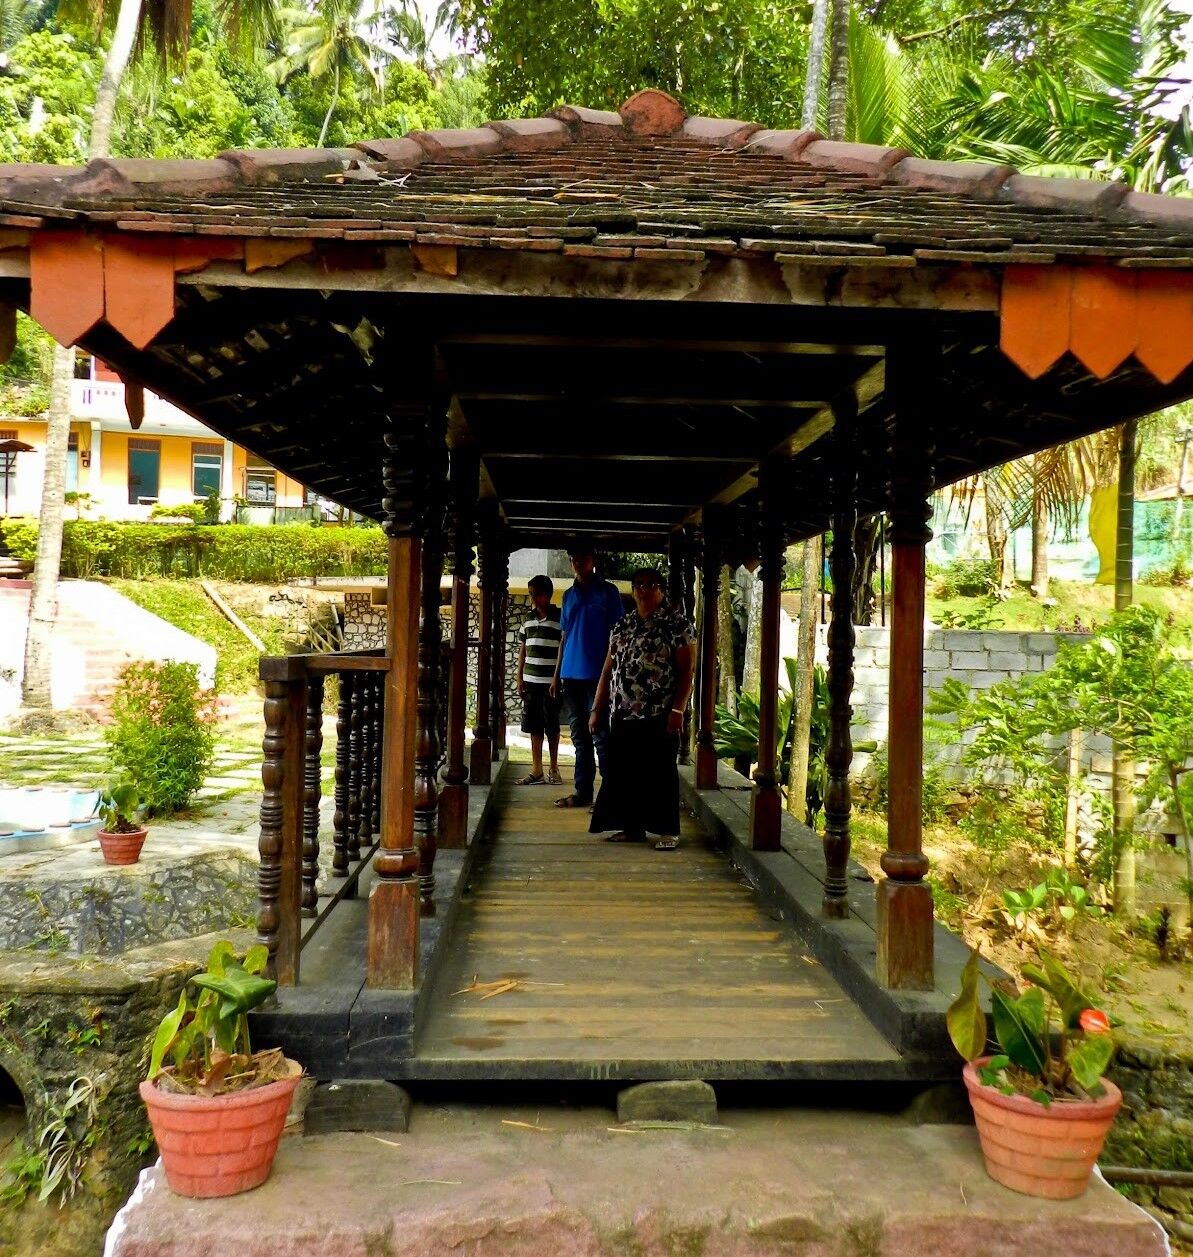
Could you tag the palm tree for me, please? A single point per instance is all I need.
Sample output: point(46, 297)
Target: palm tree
point(163, 28)
point(18, 18)
point(417, 35)
point(337, 36)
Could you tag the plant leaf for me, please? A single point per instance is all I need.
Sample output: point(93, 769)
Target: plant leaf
point(1058, 982)
point(1019, 1026)
point(1088, 1059)
point(167, 1030)
point(966, 1019)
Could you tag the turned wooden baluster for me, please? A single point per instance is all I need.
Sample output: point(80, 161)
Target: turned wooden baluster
point(378, 684)
point(904, 901)
point(766, 805)
point(312, 795)
point(480, 764)
point(710, 580)
point(355, 767)
point(364, 820)
point(339, 859)
point(839, 751)
point(279, 873)
point(426, 751)
point(453, 798)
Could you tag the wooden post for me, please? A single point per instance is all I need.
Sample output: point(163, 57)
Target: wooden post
point(393, 902)
point(501, 590)
point(453, 798)
point(426, 800)
point(312, 795)
point(480, 763)
point(377, 688)
point(905, 923)
point(364, 756)
point(688, 573)
point(355, 766)
point(766, 805)
point(710, 579)
point(839, 752)
point(279, 873)
point(339, 824)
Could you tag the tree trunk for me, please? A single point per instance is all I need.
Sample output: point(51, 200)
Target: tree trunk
point(797, 785)
point(726, 656)
point(815, 64)
point(865, 547)
point(838, 73)
point(1123, 767)
point(996, 539)
point(331, 108)
point(35, 687)
point(750, 673)
point(128, 19)
point(1039, 540)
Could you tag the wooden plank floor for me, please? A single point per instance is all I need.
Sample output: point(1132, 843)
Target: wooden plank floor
point(626, 956)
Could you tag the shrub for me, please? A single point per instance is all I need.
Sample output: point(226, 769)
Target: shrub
point(967, 578)
point(235, 552)
point(196, 512)
point(161, 734)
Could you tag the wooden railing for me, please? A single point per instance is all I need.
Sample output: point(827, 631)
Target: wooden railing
point(291, 779)
point(290, 910)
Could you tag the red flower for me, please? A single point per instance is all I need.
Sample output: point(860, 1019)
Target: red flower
point(1094, 1021)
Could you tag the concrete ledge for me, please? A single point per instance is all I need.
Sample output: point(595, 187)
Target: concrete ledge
point(792, 882)
point(763, 1182)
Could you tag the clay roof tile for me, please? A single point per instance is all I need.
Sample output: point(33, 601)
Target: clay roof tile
point(723, 132)
point(864, 159)
point(278, 165)
point(652, 112)
point(1082, 196)
point(446, 144)
point(527, 135)
point(965, 178)
point(789, 144)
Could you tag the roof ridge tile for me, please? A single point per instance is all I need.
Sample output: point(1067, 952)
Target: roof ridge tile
point(581, 119)
point(525, 135)
point(962, 178)
point(652, 112)
point(277, 165)
point(721, 132)
point(1083, 196)
point(452, 143)
point(789, 144)
point(845, 155)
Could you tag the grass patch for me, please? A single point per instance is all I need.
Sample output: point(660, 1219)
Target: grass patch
point(1091, 604)
point(184, 604)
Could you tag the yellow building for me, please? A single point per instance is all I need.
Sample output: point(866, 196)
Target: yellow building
point(170, 460)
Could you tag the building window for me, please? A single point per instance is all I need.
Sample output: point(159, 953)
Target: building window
point(260, 484)
point(207, 467)
point(8, 469)
point(84, 366)
point(72, 463)
point(144, 470)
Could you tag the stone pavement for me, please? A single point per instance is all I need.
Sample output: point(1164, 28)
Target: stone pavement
point(555, 1182)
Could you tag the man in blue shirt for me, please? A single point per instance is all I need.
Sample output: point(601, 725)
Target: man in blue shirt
point(591, 607)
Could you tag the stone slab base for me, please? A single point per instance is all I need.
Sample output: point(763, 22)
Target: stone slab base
point(543, 1181)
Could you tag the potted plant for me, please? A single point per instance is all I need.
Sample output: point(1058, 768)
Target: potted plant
point(1041, 1104)
point(217, 1108)
point(121, 834)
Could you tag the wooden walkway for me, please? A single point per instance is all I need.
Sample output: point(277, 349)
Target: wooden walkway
point(629, 962)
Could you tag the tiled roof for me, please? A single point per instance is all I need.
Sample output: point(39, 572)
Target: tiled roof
point(646, 182)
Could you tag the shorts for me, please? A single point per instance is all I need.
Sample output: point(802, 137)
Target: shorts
point(540, 712)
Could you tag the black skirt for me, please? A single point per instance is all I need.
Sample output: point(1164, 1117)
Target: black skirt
point(640, 785)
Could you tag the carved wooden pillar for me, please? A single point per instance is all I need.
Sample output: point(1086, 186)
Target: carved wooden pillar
point(766, 804)
point(426, 761)
point(393, 901)
point(480, 761)
point(279, 872)
point(839, 751)
point(339, 824)
point(312, 795)
point(710, 581)
point(501, 590)
point(364, 819)
point(905, 923)
point(688, 573)
point(377, 686)
point(355, 765)
point(453, 798)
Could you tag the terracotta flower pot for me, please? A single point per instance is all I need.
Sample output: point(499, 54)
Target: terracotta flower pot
point(219, 1145)
point(1040, 1150)
point(122, 848)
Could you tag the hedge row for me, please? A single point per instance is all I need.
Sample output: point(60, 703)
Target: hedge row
point(248, 552)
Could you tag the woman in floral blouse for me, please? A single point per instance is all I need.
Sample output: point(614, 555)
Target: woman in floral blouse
point(644, 687)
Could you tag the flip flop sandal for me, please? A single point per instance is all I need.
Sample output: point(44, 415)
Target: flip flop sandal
point(622, 836)
point(554, 777)
point(531, 780)
point(571, 800)
point(666, 844)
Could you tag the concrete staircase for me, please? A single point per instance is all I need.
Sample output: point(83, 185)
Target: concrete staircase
point(98, 631)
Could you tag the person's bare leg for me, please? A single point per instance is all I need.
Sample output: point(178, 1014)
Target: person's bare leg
point(553, 747)
point(536, 754)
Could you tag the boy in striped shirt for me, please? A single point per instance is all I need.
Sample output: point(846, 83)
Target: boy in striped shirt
point(537, 655)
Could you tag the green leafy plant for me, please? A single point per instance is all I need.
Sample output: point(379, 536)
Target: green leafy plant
point(205, 1037)
point(161, 735)
point(1059, 892)
point(119, 806)
point(1054, 1043)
